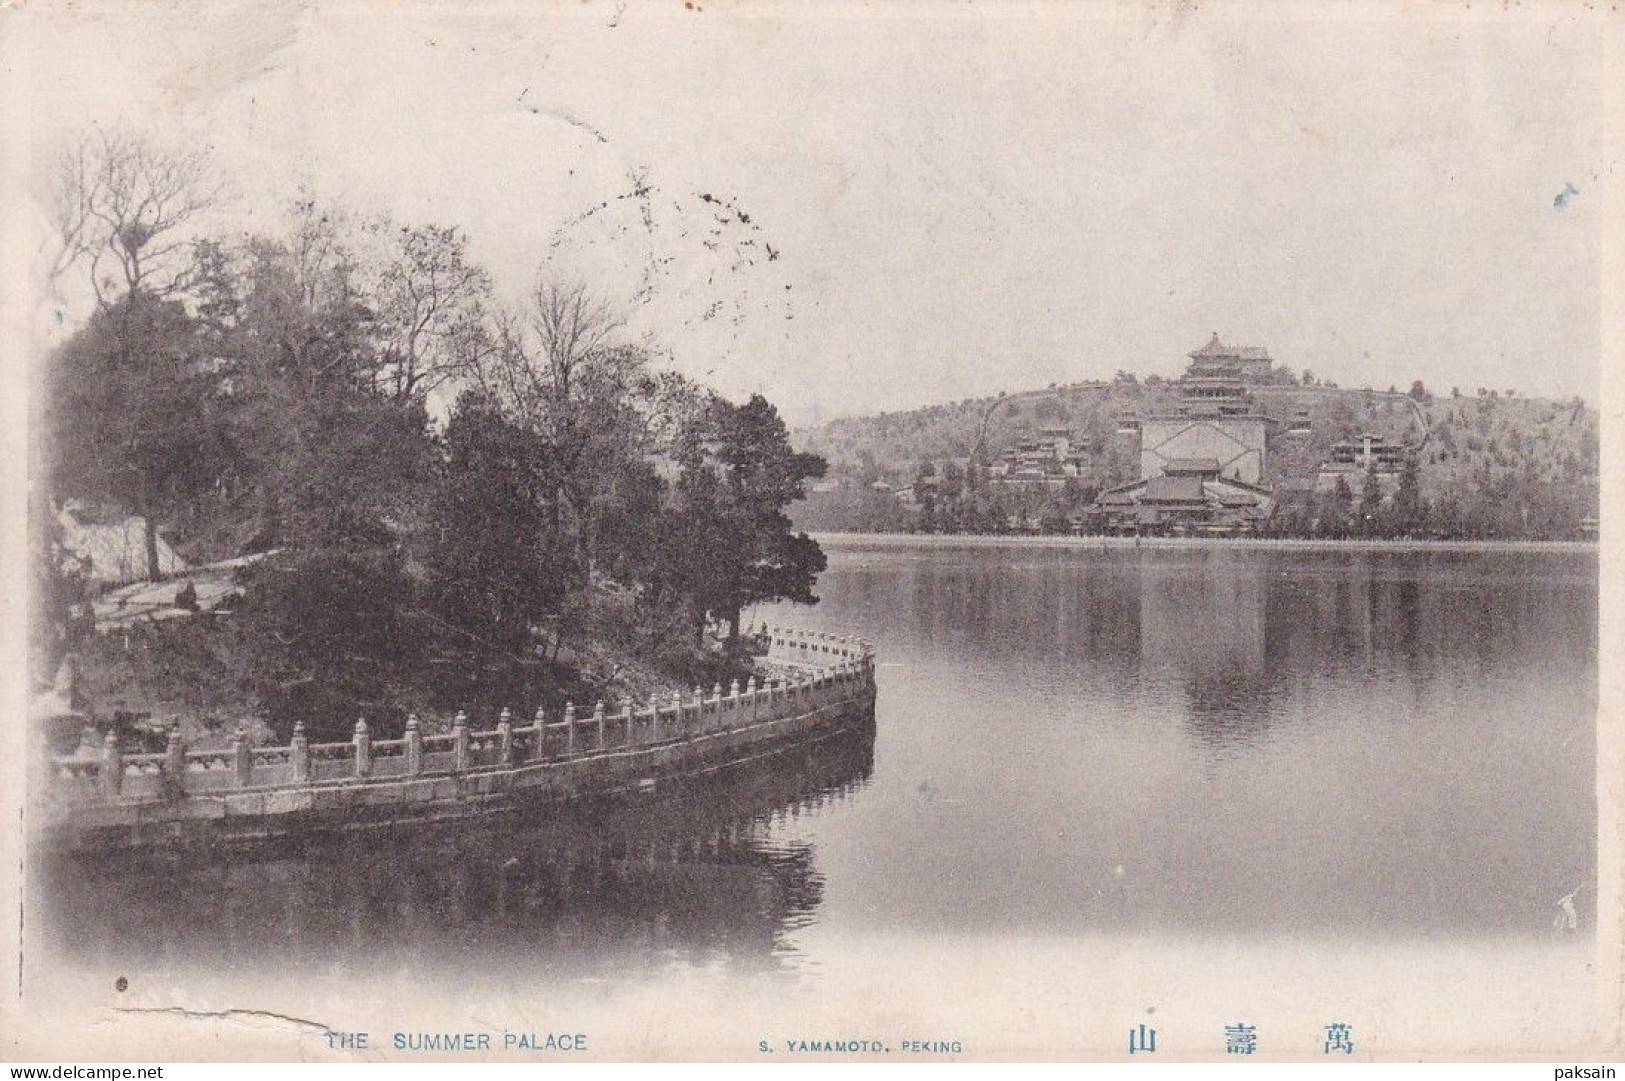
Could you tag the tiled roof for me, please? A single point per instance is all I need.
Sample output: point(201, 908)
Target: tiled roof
point(1237, 482)
point(1237, 499)
point(1216, 348)
point(1183, 489)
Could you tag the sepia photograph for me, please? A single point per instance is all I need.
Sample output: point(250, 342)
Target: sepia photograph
point(833, 532)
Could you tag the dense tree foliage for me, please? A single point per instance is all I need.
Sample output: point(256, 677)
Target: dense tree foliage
point(1489, 465)
point(129, 415)
point(449, 501)
point(739, 475)
point(492, 580)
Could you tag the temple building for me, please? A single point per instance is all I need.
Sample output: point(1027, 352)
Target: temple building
point(1215, 417)
point(1187, 496)
point(1202, 465)
point(1353, 460)
point(1252, 362)
point(1049, 459)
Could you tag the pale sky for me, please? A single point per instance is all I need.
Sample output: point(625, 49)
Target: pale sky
point(962, 198)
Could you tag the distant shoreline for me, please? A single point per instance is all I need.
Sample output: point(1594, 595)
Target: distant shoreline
point(988, 540)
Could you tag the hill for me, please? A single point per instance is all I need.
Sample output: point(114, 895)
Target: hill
point(1491, 462)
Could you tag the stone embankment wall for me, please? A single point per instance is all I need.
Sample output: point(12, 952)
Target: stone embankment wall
point(246, 791)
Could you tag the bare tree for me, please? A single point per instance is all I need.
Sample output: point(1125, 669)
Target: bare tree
point(428, 306)
point(124, 206)
point(319, 251)
point(432, 305)
point(545, 362)
point(558, 368)
point(572, 327)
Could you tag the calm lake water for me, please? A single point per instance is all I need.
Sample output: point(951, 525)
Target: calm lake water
point(1205, 741)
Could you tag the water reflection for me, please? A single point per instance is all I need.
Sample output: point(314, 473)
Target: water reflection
point(1211, 741)
point(700, 873)
point(1260, 740)
point(1204, 627)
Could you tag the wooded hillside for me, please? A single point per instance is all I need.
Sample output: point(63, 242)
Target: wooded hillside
point(1492, 462)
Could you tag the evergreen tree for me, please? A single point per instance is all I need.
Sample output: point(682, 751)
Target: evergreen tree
point(491, 580)
point(1342, 507)
point(1371, 517)
point(128, 413)
point(740, 475)
point(1408, 508)
point(341, 470)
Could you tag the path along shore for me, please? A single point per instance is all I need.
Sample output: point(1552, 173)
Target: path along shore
point(987, 540)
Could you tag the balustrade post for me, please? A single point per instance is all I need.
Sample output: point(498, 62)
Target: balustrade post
point(654, 719)
point(505, 738)
point(414, 746)
point(598, 724)
point(112, 771)
point(677, 712)
point(569, 728)
point(363, 748)
point(244, 756)
point(750, 692)
point(538, 749)
point(175, 763)
point(299, 752)
point(628, 719)
point(459, 742)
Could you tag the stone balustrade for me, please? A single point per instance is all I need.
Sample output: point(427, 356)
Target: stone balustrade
point(821, 670)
